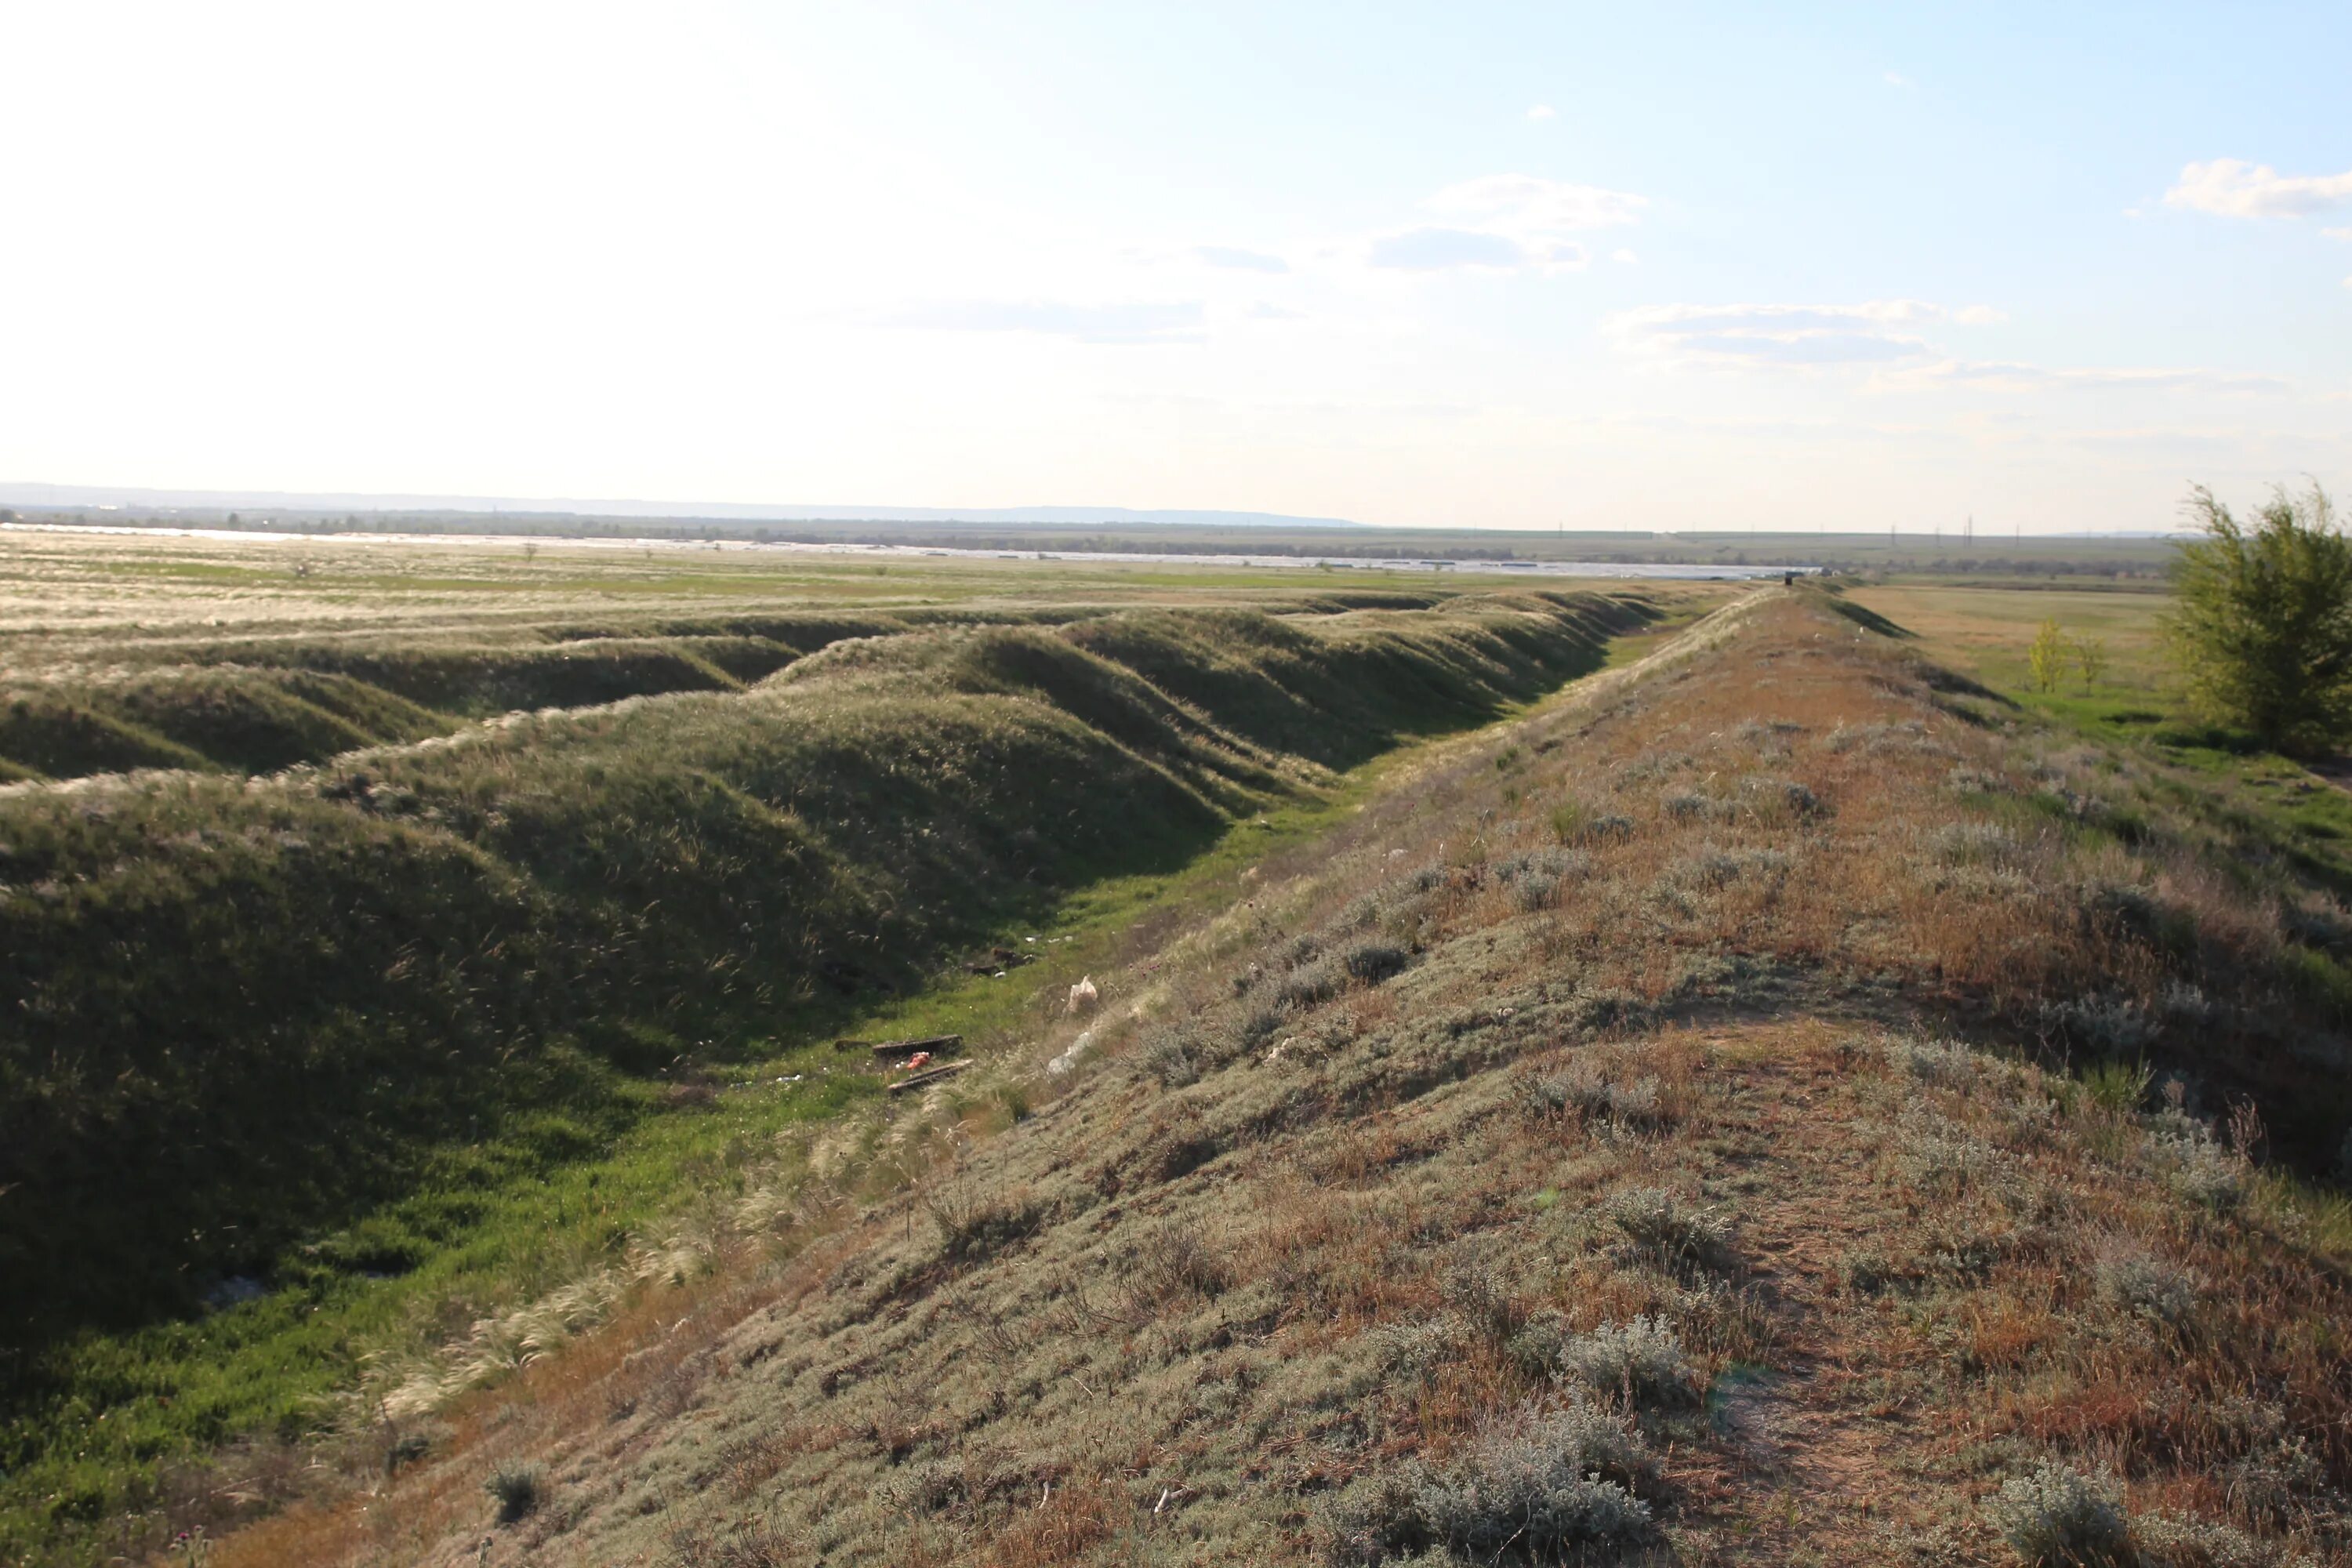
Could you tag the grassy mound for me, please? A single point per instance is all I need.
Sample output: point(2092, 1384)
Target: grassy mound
point(65, 735)
point(220, 978)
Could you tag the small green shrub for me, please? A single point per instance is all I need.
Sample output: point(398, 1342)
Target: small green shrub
point(2200, 1169)
point(1584, 1089)
point(1640, 1361)
point(1658, 1222)
point(971, 1233)
point(1371, 963)
point(1942, 1159)
point(1941, 1064)
point(2144, 1286)
point(1540, 1487)
point(2059, 1518)
point(1310, 984)
point(1535, 1487)
point(1865, 1270)
point(1172, 1055)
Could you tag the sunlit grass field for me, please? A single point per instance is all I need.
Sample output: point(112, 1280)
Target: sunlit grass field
point(2297, 808)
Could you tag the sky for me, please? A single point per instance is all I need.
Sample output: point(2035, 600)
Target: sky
point(1504, 266)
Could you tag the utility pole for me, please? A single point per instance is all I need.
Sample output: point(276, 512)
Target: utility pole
point(1969, 536)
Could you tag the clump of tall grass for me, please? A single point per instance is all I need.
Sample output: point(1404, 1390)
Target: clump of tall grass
point(1584, 1088)
point(1662, 1224)
point(1640, 1361)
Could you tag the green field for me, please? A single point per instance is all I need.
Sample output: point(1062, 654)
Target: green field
point(2275, 805)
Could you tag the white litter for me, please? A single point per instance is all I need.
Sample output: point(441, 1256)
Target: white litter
point(1060, 1065)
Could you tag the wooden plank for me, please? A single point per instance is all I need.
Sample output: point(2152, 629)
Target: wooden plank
point(908, 1048)
point(928, 1075)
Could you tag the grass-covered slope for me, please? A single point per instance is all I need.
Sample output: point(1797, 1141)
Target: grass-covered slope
point(1765, 1109)
point(244, 1009)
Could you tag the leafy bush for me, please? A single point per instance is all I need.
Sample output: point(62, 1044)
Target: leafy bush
point(2262, 618)
point(2059, 1518)
point(2104, 1026)
point(1686, 805)
point(1419, 1347)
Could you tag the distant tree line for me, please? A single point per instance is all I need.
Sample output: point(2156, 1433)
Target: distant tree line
point(2096, 560)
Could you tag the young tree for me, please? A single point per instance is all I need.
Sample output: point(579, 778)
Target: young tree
point(2262, 619)
point(2091, 657)
point(2047, 656)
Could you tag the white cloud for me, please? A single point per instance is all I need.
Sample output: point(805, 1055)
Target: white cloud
point(1874, 332)
point(1624, 254)
point(2236, 189)
point(2342, 234)
point(1430, 250)
point(1997, 377)
point(1119, 324)
point(1540, 112)
point(1526, 205)
point(1263, 312)
point(1241, 260)
point(1896, 79)
point(1887, 338)
point(1507, 221)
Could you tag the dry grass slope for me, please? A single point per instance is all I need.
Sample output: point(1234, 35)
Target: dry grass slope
point(1643, 1136)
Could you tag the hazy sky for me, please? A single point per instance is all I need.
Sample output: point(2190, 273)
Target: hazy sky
point(1599, 266)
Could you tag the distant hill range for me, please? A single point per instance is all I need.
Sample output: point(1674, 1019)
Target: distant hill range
point(127, 499)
